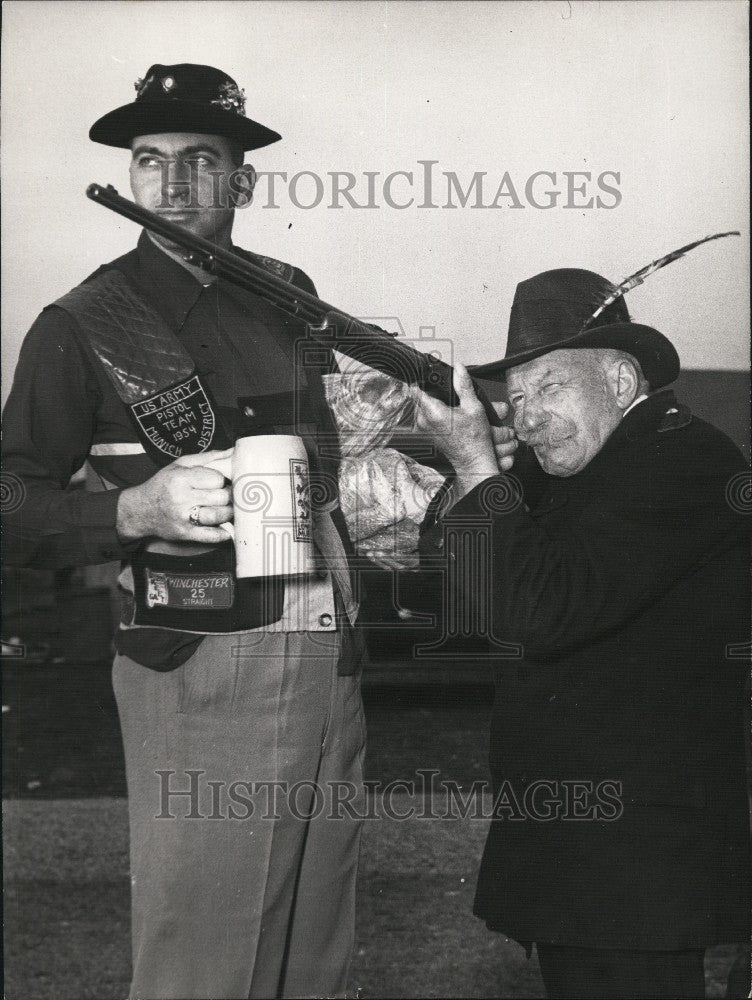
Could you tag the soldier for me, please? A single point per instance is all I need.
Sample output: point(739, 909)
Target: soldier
point(253, 686)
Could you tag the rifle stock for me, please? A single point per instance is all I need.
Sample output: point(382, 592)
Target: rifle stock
point(326, 324)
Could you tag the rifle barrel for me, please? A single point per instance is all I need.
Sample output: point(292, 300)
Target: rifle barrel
point(218, 261)
point(326, 324)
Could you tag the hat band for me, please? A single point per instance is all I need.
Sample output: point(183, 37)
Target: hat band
point(228, 96)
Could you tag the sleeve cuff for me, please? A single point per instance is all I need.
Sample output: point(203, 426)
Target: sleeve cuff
point(103, 544)
point(471, 506)
point(493, 496)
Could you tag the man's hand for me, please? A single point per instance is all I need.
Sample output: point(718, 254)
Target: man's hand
point(504, 440)
point(464, 435)
point(161, 507)
point(402, 562)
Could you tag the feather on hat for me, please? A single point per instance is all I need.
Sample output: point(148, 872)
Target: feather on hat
point(557, 310)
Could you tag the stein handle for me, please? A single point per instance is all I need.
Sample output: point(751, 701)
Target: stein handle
point(223, 465)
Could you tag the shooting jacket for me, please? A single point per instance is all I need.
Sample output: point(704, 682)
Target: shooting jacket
point(64, 409)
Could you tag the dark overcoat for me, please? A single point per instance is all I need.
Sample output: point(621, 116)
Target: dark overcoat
point(617, 736)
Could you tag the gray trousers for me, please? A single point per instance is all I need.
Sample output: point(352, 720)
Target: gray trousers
point(243, 863)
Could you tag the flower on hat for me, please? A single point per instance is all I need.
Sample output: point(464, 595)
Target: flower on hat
point(141, 84)
point(231, 98)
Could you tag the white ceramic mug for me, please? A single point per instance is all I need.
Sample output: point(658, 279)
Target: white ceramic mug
point(273, 529)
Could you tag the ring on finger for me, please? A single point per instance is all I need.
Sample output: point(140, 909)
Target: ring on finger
point(194, 515)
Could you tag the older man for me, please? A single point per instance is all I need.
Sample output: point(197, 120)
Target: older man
point(619, 565)
point(238, 698)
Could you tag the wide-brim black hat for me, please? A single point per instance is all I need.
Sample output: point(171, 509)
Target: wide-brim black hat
point(183, 98)
point(550, 312)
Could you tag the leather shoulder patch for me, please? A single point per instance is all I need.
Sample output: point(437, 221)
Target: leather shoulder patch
point(674, 418)
point(151, 371)
point(139, 352)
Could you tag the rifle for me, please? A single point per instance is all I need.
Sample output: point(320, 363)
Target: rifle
point(326, 324)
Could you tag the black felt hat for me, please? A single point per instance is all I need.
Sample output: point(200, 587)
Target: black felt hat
point(550, 312)
point(183, 98)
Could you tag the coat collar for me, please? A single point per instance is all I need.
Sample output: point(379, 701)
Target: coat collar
point(643, 419)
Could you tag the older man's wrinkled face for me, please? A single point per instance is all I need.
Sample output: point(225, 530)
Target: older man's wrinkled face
point(565, 407)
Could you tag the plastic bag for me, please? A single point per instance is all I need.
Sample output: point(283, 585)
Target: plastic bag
point(383, 494)
point(368, 407)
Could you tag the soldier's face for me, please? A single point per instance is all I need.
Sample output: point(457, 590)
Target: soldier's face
point(186, 178)
point(564, 407)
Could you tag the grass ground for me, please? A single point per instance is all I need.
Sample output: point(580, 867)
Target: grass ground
point(66, 851)
point(66, 910)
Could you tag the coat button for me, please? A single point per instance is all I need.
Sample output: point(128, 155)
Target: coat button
point(325, 620)
point(322, 574)
point(440, 544)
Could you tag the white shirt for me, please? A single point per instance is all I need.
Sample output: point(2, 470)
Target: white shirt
point(634, 403)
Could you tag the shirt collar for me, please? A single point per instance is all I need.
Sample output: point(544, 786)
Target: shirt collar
point(174, 289)
point(203, 277)
point(634, 403)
